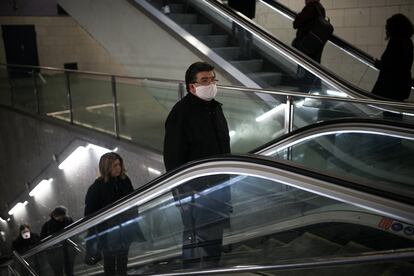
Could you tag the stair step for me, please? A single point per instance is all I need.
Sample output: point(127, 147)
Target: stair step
point(266, 79)
point(184, 18)
point(198, 29)
point(228, 53)
point(176, 8)
point(248, 66)
point(214, 41)
point(305, 246)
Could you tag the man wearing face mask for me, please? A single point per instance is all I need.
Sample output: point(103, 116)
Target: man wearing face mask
point(196, 128)
point(25, 240)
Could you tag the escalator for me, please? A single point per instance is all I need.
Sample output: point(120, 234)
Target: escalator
point(282, 214)
point(207, 28)
point(376, 153)
point(271, 63)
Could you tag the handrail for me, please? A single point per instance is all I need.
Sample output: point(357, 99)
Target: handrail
point(191, 41)
point(25, 264)
point(384, 256)
point(231, 87)
point(335, 40)
point(297, 56)
point(383, 124)
point(289, 174)
point(358, 53)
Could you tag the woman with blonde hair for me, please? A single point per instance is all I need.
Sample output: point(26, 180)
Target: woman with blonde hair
point(114, 240)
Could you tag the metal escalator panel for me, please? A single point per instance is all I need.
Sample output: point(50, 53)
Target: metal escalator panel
point(229, 212)
point(375, 153)
point(208, 26)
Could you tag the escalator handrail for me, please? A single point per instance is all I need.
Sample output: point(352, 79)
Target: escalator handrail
point(384, 125)
point(314, 67)
point(301, 178)
point(381, 102)
point(23, 262)
point(343, 44)
point(380, 257)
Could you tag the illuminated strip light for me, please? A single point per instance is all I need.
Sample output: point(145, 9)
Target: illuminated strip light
point(58, 113)
point(74, 157)
point(270, 113)
point(310, 137)
point(16, 207)
point(92, 107)
point(39, 187)
point(336, 93)
point(391, 111)
point(98, 149)
point(154, 171)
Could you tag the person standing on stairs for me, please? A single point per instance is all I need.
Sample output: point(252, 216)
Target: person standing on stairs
point(304, 23)
point(394, 79)
point(196, 128)
point(245, 38)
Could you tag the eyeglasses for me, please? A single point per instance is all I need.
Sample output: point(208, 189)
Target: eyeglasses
point(207, 81)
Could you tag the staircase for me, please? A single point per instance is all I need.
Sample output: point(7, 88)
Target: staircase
point(262, 70)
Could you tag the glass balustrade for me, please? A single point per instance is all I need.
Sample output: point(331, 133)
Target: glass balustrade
point(252, 220)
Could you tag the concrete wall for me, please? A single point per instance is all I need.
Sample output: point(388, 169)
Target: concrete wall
point(133, 39)
point(61, 40)
point(30, 144)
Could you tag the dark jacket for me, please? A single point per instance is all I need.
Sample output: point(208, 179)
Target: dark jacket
point(194, 129)
point(53, 226)
point(394, 80)
point(246, 7)
point(304, 22)
point(21, 245)
point(101, 194)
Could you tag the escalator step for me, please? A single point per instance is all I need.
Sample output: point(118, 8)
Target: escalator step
point(214, 41)
point(184, 18)
point(248, 66)
point(198, 29)
point(228, 53)
point(266, 79)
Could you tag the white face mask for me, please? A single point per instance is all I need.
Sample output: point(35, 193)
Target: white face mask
point(206, 92)
point(26, 235)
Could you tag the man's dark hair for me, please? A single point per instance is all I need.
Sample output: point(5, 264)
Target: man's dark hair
point(399, 25)
point(59, 211)
point(191, 73)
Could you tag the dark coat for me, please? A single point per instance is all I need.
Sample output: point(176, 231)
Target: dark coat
point(198, 129)
point(304, 21)
point(21, 245)
point(194, 129)
point(394, 80)
point(101, 194)
point(53, 226)
point(246, 7)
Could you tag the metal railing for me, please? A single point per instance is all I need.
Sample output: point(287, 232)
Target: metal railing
point(25, 264)
point(407, 108)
